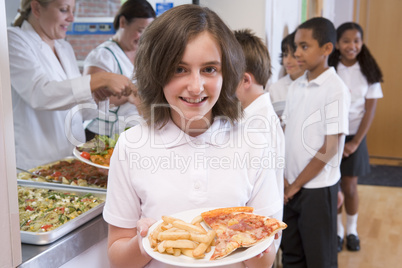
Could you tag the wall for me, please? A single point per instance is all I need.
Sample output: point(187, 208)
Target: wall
point(283, 17)
point(383, 35)
point(11, 10)
point(343, 12)
point(271, 20)
point(83, 44)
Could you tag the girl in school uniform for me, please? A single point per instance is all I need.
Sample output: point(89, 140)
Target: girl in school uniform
point(188, 153)
point(360, 72)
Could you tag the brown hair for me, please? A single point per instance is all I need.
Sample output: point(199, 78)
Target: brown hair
point(133, 9)
point(25, 10)
point(258, 62)
point(161, 49)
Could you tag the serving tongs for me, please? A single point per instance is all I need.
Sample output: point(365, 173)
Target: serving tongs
point(39, 176)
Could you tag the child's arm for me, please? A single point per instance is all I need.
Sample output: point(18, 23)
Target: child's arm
point(317, 163)
point(351, 146)
point(125, 245)
point(263, 260)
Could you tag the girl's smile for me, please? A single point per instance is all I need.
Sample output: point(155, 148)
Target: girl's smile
point(349, 45)
point(193, 101)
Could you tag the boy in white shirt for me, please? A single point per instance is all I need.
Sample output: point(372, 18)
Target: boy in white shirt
point(259, 114)
point(316, 122)
point(279, 90)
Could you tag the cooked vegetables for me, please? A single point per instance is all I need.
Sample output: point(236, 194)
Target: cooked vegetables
point(99, 149)
point(43, 210)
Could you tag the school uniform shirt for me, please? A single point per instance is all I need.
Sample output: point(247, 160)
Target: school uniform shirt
point(313, 110)
point(155, 172)
point(360, 90)
point(259, 116)
point(278, 92)
point(44, 90)
point(111, 58)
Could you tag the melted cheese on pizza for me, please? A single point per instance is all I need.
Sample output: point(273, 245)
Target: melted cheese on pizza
point(239, 229)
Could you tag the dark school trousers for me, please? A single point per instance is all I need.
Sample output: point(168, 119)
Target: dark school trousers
point(310, 239)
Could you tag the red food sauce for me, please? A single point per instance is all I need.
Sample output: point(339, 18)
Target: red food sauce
point(75, 170)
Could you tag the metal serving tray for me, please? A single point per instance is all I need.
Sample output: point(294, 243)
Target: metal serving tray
point(39, 184)
point(43, 238)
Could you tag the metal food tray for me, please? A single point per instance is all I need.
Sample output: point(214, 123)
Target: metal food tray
point(39, 184)
point(43, 238)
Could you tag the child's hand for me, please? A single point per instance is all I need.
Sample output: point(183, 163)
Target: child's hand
point(142, 230)
point(278, 234)
point(264, 259)
point(350, 148)
point(290, 191)
point(271, 247)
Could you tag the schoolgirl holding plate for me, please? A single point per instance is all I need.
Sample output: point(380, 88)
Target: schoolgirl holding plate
point(189, 152)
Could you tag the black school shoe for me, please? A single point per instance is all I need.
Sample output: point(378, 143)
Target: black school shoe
point(340, 243)
point(352, 242)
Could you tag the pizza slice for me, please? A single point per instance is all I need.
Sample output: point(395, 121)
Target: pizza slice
point(238, 227)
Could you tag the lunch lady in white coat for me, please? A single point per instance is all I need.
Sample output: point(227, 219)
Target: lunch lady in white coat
point(117, 56)
point(46, 83)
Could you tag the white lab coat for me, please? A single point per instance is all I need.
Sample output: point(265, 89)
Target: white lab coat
point(43, 93)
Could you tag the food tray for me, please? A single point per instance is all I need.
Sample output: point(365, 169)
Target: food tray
point(28, 178)
point(43, 238)
point(39, 184)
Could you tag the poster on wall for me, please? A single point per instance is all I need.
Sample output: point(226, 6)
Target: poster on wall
point(162, 7)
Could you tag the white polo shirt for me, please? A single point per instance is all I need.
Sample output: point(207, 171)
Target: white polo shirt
point(261, 117)
point(360, 90)
point(313, 110)
point(278, 92)
point(155, 172)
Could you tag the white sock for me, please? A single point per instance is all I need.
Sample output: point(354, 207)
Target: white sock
point(341, 230)
point(351, 224)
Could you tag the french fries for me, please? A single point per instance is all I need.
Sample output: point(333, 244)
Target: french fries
point(175, 237)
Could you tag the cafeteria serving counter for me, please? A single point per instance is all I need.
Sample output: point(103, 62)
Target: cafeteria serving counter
point(66, 248)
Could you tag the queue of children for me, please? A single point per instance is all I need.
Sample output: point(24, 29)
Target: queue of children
point(192, 94)
point(316, 122)
point(351, 97)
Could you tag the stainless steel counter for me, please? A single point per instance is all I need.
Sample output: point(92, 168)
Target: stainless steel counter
point(67, 247)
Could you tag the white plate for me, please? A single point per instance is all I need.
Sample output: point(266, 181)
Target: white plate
point(89, 162)
point(238, 255)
